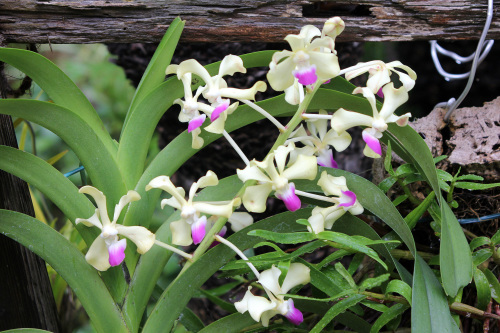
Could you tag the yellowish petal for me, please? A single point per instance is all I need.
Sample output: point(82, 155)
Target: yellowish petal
point(305, 167)
point(343, 120)
point(125, 200)
point(142, 237)
point(100, 200)
point(255, 197)
point(92, 221)
point(297, 274)
point(181, 233)
point(98, 255)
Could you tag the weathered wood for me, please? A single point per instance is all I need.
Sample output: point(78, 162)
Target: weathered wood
point(126, 21)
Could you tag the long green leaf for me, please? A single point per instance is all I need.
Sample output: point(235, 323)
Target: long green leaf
point(338, 308)
point(430, 311)
point(58, 86)
point(99, 161)
point(181, 290)
point(232, 323)
point(70, 263)
point(387, 316)
point(155, 72)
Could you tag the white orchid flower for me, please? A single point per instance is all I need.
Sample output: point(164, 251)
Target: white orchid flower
point(215, 91)
point(263, 309)
point(376, 125)
point(192, 226)
point(311, 59)
point(318, 141)
point(345, 201)
point(271, 177)
point(379, 74)
point(107, 250)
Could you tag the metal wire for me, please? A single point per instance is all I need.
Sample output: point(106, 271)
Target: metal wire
point(482, 50)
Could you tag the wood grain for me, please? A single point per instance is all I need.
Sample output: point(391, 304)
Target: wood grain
point(128, 21)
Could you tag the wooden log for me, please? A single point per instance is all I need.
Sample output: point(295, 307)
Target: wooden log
point(91, 21)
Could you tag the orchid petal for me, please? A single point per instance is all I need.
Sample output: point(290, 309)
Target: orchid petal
point(332, 185)
point(339, 141)
point(317, 223)
point(293, 314)
point(210, 179)
point(218, 110)
point(399, 120)
point(331, 218)
point(196, 141)
point(347, 199)
point(198, 230)
point(181, 233)
point(142, 237)
point(372, 142)
point(193, 66)
point(343, 120)
point(328, 64)
point(217, 126)
point(230, 65)
point(255, 305)
point(100, 200)
point(270, 280)
point(295, 93)
point(117, 252)
point(281, 154)
point(252, 172)
point(196, 122)
point(240, 220)
point(92, 221)
point(377, 80)
point(333, 27)
point(306, 76)
point(259, 86)
point(297, 274)
point(97, 255)
point(125, 200)
point(172, 202)
point(325, 159)
point(291, 200)
point(393, 98)
point(305, 167)
point(220, 210)
point(307, 32)
point(369, 95)
point(255, 197)
point(280, 76)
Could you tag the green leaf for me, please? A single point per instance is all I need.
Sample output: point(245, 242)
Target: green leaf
point(482, 288)
point(68, 262)
point(229, 307)
point(321, 281)
point(495, 240)
point(233, 323)
point(494, 284)
point(388, 160)
point(430, 311)
point(455, 256)
point(471, 177)
point(400, 287)
point(283, 238)
point(481, 256)
point(350, 243)
point(155, 72)
point(387, 316)
point(345, 274)
point(387, 183)
point(335, 310)
point(399, 200)
point(25, 330)
point(413, 217)
point(183, 287)
point(443, 175)
point(98, 159)
point(190, 320)
point(439, 158)
point(374, 282)
point(479, 241)
point(475, 186)
point(356, 261)
point(58, 87)
point(405, 170)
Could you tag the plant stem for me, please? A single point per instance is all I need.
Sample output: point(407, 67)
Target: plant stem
point(407, 191)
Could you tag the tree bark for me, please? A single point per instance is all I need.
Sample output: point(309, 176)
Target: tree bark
point(125, 21)
point(26, 299)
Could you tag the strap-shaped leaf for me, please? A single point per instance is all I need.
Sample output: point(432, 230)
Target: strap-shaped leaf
point(482, 288)
point(387, 316)
point(338, 308)
point(232, 323)
point(400, 287)
point(70, 263)
point(58, 86)
point(98, 159)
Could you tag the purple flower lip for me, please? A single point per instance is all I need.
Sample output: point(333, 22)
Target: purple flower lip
point(117, 252)
point(218, 110)
point(306, 76)
point(198, 230)
point(196, 122)
point(294, 315)
point(291, 200)
point(326, 160)
point(372, 142)
point(347, 199)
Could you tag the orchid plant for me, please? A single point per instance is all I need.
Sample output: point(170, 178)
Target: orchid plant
point(325, 208)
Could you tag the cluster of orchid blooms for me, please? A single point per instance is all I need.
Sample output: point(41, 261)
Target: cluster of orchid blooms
point(312, 61)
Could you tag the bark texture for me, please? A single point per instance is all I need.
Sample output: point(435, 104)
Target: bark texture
point(125, 21)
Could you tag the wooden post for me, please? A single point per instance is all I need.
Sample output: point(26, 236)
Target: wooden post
point(26, 299)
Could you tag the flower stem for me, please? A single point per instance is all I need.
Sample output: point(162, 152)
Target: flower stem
point(236, 147)
point(314, 196)
point(174, 249)
point(238, 252)
point(265, 114)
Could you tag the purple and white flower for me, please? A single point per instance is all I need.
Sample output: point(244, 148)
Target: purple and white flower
point(107, 249)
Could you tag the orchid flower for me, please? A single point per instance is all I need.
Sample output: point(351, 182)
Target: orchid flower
point(215, 91)
point(318, 140)
point(379, 74)
point(311, 59)
point(376, 125)
point(263, 309)
point(345, 201)
point(192, 226)
point(107, 250)
point(271, 177)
